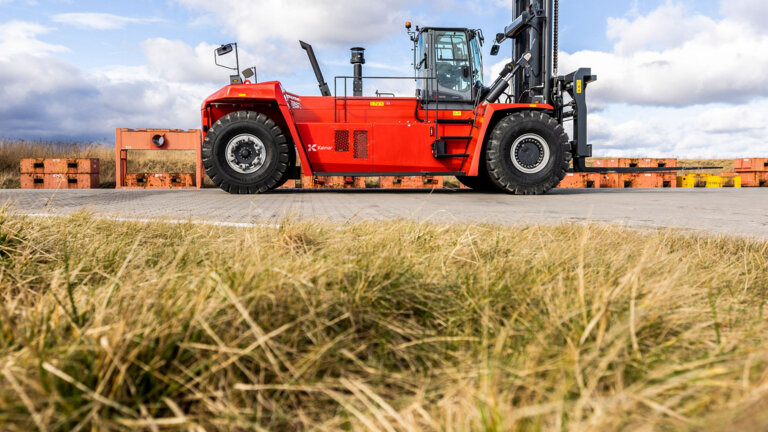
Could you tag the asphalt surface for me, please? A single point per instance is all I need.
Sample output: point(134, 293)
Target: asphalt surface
point(741, 212)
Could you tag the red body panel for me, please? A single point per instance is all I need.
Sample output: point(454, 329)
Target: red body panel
point(363, 135)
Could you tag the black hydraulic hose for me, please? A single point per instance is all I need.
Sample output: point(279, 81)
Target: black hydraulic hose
point(556, 39)
point(416, 111)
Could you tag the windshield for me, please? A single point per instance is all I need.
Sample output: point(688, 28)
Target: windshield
point(477, 61)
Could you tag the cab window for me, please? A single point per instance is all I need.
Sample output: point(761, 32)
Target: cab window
point(452, 64)
point(477, 60)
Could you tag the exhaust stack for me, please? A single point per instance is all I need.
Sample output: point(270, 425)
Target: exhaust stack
point(324, 90)
point(358, 60)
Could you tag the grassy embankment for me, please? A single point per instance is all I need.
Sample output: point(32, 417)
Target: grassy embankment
point(395, 326)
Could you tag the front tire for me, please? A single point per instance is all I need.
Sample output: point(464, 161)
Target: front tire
point(528, 154)
point(245, 152)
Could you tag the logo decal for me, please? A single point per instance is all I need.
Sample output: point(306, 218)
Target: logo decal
point(317, 148)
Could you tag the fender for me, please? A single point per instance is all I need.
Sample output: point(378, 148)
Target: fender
point(268, 98)
point(488, 117)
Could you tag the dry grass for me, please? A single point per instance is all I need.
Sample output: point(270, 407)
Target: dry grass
point(398, 326)
point(726, 164)
point(11, 152)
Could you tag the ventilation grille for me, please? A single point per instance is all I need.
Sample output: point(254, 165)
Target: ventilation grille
point(361, 144)
point(342, 141)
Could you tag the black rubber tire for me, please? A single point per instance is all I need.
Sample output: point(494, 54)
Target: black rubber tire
point(481, 183)
point(259, 125)
point(503, 172)
point(291, 163)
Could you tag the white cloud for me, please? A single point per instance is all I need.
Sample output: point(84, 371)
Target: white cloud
point(98, 21)
point(176, 61)
point(711, 131)
point(751, 12)
point(329, 22)
point(697, 61)
point(21, 38)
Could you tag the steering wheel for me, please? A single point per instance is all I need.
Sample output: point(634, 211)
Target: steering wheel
point(447, 77)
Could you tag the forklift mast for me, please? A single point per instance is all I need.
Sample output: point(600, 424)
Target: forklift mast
point(535, 31)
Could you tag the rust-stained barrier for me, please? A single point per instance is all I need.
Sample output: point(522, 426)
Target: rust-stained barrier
point(158, 140)
point(753, 171)
point(336, 182)
point(581, 181)
point(160, 181)
point(58, 173)
point(635, 163)
point(754, 179)
point(750, 164)
point(410, 182)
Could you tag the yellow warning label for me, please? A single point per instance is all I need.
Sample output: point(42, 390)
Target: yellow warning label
point(457, 113)
point(377, 104)
point(578, 86)
point(242, 95)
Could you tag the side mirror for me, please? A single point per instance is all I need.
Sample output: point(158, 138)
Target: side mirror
point(495, 50)
point(224, 50)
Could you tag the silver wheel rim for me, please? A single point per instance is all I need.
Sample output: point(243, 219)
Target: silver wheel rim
point(246, 154)
point(525, 162)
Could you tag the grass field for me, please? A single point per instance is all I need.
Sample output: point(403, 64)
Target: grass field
point(397, 326)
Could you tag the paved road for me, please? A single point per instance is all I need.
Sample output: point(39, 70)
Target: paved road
point(723, 211)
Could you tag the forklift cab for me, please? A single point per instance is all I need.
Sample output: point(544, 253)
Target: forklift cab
point(448, 64)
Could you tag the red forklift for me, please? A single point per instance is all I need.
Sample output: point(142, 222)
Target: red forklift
point(507, 136)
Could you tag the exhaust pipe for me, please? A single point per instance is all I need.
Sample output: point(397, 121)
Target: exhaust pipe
point(358, 60)
point(324, 90)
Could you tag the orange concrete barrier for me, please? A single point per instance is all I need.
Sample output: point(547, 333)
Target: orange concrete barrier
point(635, 163)
point(411, 182)
point(611, 181)
point(754, 179)
point(581, 181)
point(649, 180)
point(33, 181)
point(65, 173)
point(336, 182)
point(32, 166)
point(750, 164)
point(71, 166)
point(160, 180)
point(71, 181)
point(158, 140)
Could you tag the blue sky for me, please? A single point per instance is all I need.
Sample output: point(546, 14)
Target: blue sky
point(99, 65)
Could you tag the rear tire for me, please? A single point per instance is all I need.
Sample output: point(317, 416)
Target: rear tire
point(246, 153)
point(528, 154)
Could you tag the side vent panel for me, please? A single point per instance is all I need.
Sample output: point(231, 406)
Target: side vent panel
point(361, 144)
point(342, 141)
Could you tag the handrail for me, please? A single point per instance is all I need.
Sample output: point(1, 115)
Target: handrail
point(336, 97)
